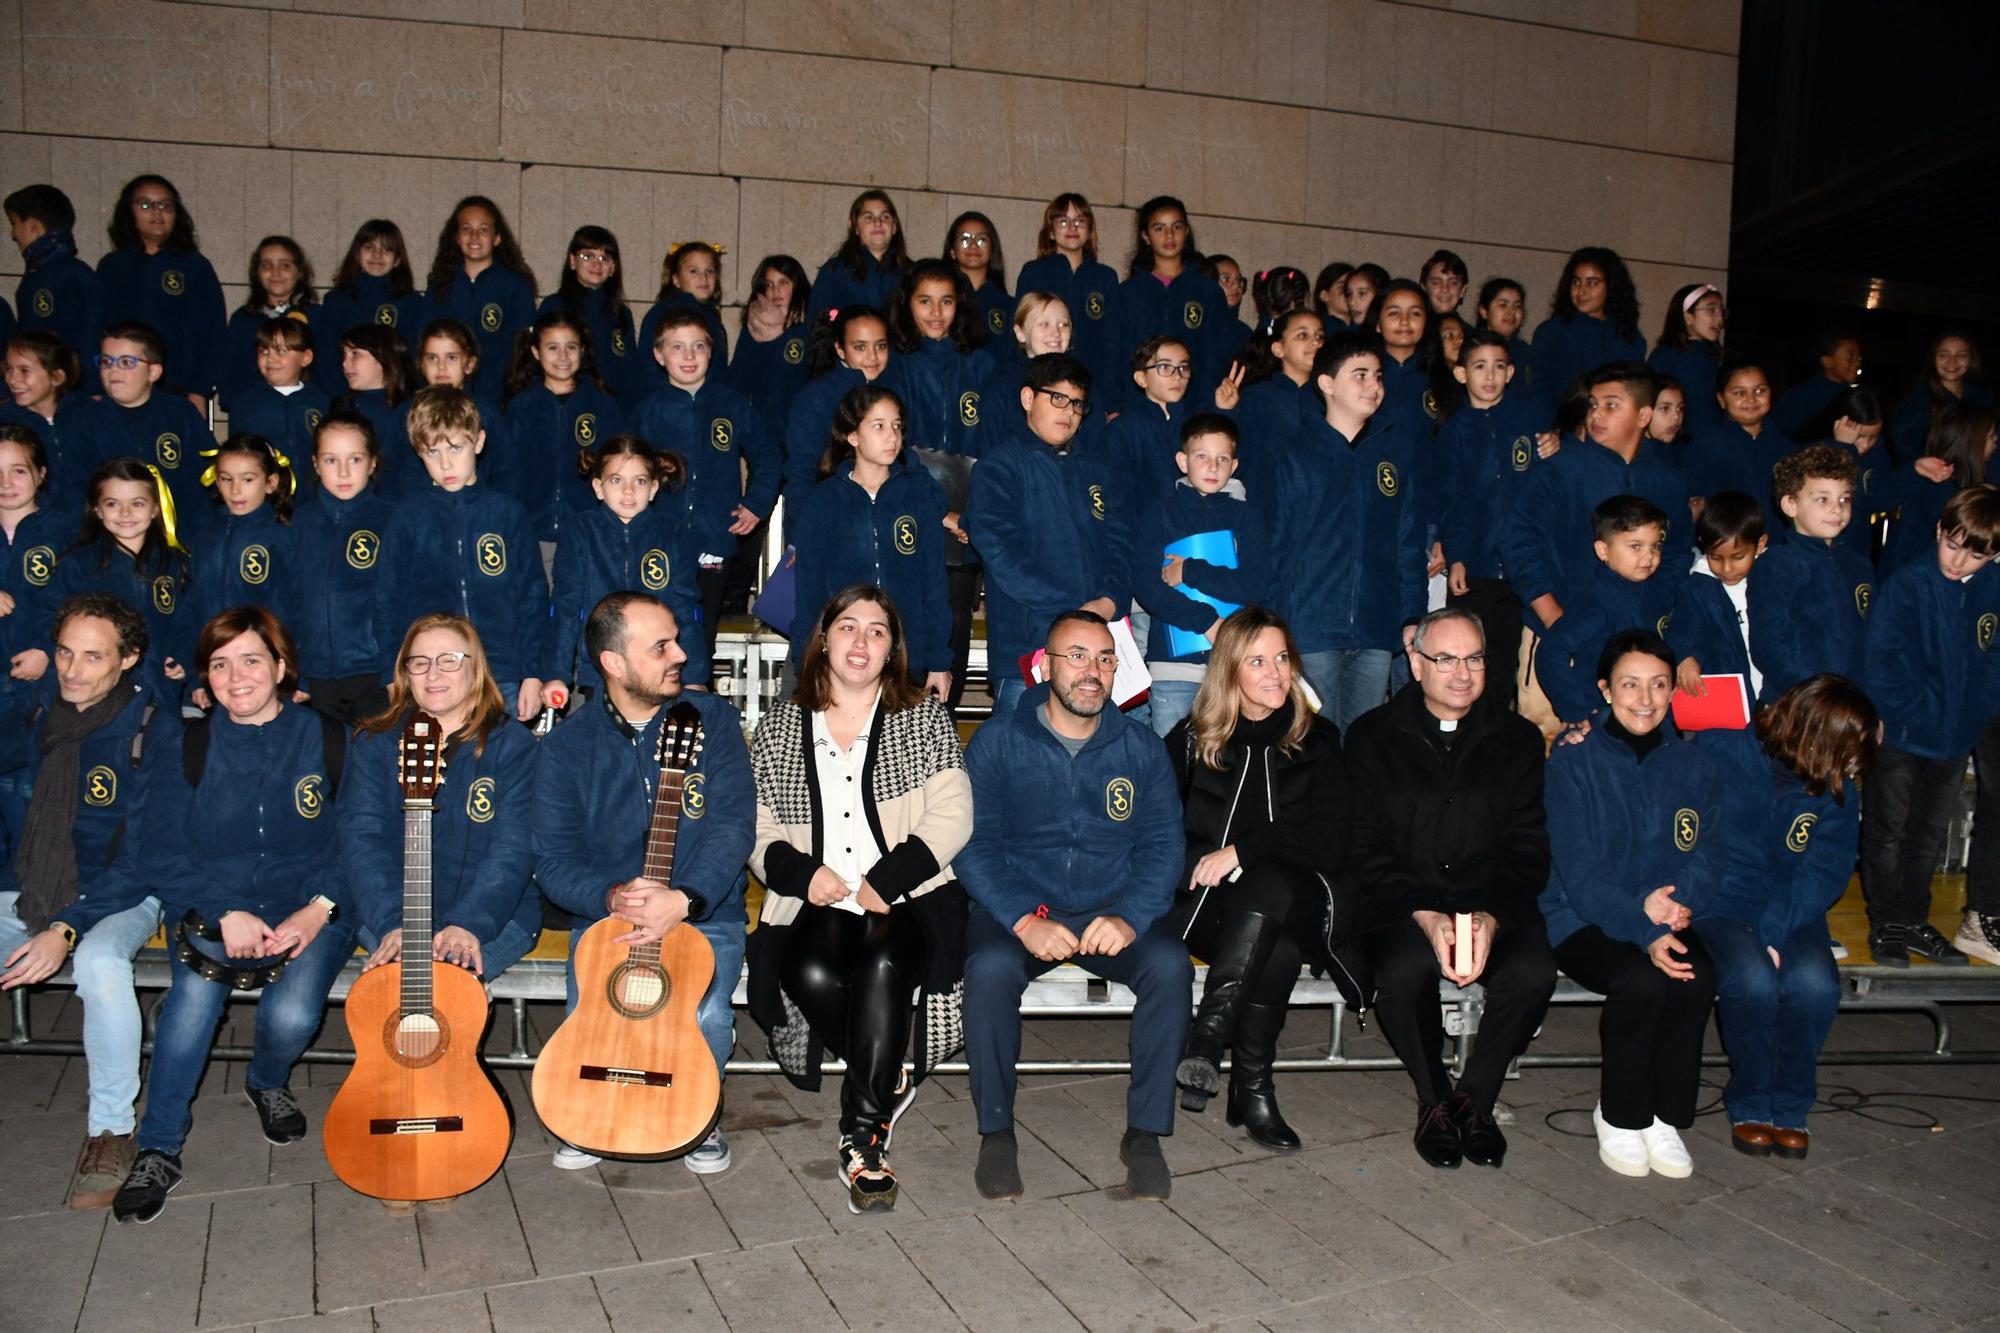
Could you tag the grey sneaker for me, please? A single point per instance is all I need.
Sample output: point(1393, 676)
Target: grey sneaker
point(711, 1157)
point(279, 1113)
point(101, 1169)
point(572, 1158)
point(143, 1196)
point(1979, 936)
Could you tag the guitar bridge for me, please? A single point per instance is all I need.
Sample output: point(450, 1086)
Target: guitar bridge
point(638, 1078)
point(436, 1124)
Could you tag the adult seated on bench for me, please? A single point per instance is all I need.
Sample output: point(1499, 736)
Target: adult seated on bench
point(91, 766)
point(1076, 847)
point(1260, 777)
point(1447, 823)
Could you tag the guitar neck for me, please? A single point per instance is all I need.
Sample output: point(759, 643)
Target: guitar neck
point(660, 843)
point(417, 925)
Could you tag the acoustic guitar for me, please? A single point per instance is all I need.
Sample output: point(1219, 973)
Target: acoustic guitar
point(418, 1117)
point(628, 1074)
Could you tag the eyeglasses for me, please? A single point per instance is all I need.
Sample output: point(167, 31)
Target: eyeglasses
point(154, 205)
point(974, 240)
point(1067, 223)
point(1450, 662)
point(124, 362)
point(1063, 402)
point(1083, 657)
point(421, 666)
point(1178, 370)
point(595, 257)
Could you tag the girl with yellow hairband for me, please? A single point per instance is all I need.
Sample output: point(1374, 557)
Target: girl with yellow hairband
point(129, 547)
point(246, 558)
point(691, 276)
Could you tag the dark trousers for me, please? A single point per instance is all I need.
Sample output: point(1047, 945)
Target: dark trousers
point(964, 588)
point(714, 584)
point(1499, 612)
point(1269, 890)
point(1982, 873)
point(998, 970)
point(1905, 813)
point(1774, 1018)
point(853, 977)
point(1520, 976)
point(1651, 1029)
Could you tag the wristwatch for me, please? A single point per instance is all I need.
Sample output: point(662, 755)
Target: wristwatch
point(332, 907)
point(68, 933)
point(697, 905)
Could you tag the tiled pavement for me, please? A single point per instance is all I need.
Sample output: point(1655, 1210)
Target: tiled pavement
point(1888, 1225)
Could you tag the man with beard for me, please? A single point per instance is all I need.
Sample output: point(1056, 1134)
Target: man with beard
point(1075, 853)
point(594, 807)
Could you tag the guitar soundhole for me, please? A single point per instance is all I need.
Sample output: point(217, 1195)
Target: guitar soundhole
point(416, 1040)
point(639, 990)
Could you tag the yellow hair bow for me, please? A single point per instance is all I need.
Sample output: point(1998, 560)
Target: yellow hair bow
point(277, 456)
point(167, 518)
point(716, 246)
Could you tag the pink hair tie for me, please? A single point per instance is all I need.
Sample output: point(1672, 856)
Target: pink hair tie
point(1696, 295)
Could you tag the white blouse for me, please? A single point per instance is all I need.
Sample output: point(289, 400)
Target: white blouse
point(849, 846)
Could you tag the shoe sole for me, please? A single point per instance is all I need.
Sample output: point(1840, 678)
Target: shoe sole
point(1194, 1099)
point(1790, 1154)
point(1442, 1166)
point(876, 1204)
point(1193, 1075)
point(1624, 1168)
point(1972, 948)
point(141, 1221)
point(559, 1164)
point(1490, 1163)
point(711, 1167)
point(92, 1201)
point(1671, 1170)
point(1752, 1149)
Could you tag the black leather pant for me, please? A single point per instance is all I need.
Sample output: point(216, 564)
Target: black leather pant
point(1271, 890)
point(855, 977)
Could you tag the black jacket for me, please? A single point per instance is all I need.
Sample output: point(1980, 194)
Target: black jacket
point(1458, 830)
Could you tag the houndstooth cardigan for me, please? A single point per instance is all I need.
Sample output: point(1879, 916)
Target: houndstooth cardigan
point(920, 811)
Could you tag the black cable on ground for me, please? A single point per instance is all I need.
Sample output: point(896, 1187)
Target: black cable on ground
point(1835, 1100)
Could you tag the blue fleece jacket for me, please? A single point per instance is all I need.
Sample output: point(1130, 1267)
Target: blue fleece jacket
point(175, 293)
point(400, 472)
point(1707, 629)
point(1789, 853)
point(1919, 503)
point(623, 362)
point(287, 420)
point(810, 427)
point(601, 554)
point(164, 431)
point(1910, 424)
point(1270, 413)
point(337, 559)
point(1695, 366)
point(1055, 530)
point(1567, 348)
point(1813, 605)
point(834, 288)
point(159, 590)
point(1097, 834)
point(366, 302)
point(238, 363)
point(714, 430)
point(996, 312)
point(549, 435)
point(594, 806)
point(1875, 493)
point(649, 332)
point(1567, 661)
point(27, 574)
point(245, 561)
point(1191, 308)
point(1091, 291)
point(940, 388)
point(1407, 398)
point(1142, 444)
point(894, 539)
point(496, 306)
point(1798, 405)
point(1725, 457)
point(770, 374)
point(1545, 541)
point(482, 851)
point(257, 837)
point(1182, 512)
point(470, 552)
point(56, 295)
point(1619, 828)
point(1486, 455)
point(110, 800)
point(1348, 541)
point(1928, 659)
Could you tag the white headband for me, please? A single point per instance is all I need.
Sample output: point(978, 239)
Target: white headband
point(1696, 295)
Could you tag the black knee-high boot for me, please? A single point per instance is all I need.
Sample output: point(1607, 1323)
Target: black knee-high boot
point(1253, 1101)
point(1243, 946)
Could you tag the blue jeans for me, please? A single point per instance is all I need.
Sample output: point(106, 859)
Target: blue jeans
point(1349, 681)
point(1172, 700)
point(495, 955)
point(1774, 1018)
point(289, 1011)
point(112, 1029)
point(717, 1014)
point(1009, 694)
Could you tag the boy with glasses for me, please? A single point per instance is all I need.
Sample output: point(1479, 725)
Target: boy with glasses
point(134, 420)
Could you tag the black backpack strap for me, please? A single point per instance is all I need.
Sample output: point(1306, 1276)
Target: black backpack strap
point(333, 748)
point(194, 750)
point(139, 737)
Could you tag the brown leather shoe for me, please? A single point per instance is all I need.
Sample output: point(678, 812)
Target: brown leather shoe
point(1792, 1143)
point(1754, 1139)
point(100, 1169)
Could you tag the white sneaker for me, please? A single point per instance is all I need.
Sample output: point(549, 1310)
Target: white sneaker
point(1623, 1150)
point(1839, 951)
point(711, 1157)
point(1665, 1152)
point(569, 1158)
point(1979, 935)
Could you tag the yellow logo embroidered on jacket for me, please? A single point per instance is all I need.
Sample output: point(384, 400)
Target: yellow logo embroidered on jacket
point(1118, 794)
point(165, 595)
point(385, 315)
point(362, 548)
point(1987, 624)
point(586, 429)
point(1801, 832)
point(45, 302)
point(254, 565)
point(721, 433)
point(968, 408)
point(996, 321)
point(617, 342)
point(479, 801)
point(1687, 829)
point(491, 550)
point(1093, 305)
point(655, 570)
point(905, 528)
point(795, 351)
point(307, 798)
point(489, 317)
point(1096, 501)
point(694, 796)
point(168, 450)
point(1523, 453)
point(1386, 479)
point(100, 786)
point(37, 564)
point(1191, 314)
point(1864, 597)
point(173, 282)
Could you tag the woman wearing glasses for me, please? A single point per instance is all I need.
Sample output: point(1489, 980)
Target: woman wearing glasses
point(1066, 267)
point(972, 245)
point(1261, 791)
point(156, 275)
point(485, 910)
point(862, 802)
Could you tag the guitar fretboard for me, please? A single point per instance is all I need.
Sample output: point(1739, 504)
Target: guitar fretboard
point(660, 844)
point(417, 928)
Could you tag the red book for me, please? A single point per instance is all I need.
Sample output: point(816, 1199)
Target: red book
point(1726, 706)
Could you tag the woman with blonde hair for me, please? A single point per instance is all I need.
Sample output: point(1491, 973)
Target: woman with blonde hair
point(1261, 786)
point(486, 911)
